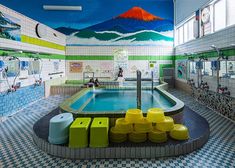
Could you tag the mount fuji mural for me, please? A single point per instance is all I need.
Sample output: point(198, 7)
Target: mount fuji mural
point(134, 27)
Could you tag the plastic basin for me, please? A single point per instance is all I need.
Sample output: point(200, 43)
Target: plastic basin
point(137, 137)
point(143, 126)
point(117, 137)
point(166, 125)
point(179, 132)
point(122, 126)
point(155, 115)
point(133, 115)
point(157, 136)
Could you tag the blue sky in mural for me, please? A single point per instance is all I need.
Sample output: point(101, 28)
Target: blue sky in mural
point(94, 11)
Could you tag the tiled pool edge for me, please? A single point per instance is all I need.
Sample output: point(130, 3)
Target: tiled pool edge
point(120, 152)
point(174, 111)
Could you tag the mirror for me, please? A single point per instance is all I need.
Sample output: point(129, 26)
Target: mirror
point(34, 67)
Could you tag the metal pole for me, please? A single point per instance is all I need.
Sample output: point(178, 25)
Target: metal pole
point(152, 80)
point(138, 89)
point(217, 74)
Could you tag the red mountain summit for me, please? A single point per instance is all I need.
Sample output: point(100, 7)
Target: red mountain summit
point(139, 14)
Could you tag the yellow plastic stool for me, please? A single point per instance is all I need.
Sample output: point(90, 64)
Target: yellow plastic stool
point(143, 126)
point(166, 125)
point(137, 137)
point(157, 136)
point(179, 132)
point(78, 133)
point(133, 115)
point(155, 115)
point(122, 126)
point(99, 132)
point(116, 137)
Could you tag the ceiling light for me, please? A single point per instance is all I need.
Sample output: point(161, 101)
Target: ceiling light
point(56, 7)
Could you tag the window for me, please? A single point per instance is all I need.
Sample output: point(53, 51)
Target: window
point(219, 15)
point(190, 29)
point(181, 35)
point(186, 32)
point(230, 12)
point(176, 39)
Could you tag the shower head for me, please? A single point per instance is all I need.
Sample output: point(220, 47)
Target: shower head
point(216, 49)
point(12, 58)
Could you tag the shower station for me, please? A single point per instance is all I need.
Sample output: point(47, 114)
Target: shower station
point(36, 75)
point(6, 74)
point(10, 69)
point(220, 99)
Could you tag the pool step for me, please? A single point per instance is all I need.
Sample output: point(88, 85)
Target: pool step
point(86, 103)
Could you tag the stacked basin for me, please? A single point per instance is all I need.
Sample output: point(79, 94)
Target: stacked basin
point(155, 127)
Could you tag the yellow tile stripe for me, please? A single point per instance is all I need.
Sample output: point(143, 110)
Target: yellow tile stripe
point(43, 43)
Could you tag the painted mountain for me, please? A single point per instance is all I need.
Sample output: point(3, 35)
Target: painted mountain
point(134, 27)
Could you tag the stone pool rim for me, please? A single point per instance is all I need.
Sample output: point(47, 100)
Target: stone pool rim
point(177, 107)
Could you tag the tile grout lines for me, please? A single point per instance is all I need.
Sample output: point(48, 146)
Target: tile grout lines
point(19, 150)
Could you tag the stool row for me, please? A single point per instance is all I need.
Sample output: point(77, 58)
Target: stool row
point(62, 129)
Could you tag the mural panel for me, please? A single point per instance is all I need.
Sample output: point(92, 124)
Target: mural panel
point(106, 22)
point(9, 27)
point(134, 27)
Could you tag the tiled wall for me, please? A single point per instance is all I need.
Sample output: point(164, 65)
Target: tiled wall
point(97, 56)
point(30, 42)
point(221, 39)
point(53, 45)
point(10, 103)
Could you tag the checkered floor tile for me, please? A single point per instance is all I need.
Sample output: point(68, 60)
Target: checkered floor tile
point(17, 148)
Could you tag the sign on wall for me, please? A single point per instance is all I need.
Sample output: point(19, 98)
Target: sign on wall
point(120, 60)
point(75, 67)
point(10, 27)
point(181, 69)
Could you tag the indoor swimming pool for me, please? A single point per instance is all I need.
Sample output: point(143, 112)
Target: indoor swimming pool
point(113, 100)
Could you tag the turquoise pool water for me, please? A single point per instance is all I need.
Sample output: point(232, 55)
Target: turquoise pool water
point(119, 100)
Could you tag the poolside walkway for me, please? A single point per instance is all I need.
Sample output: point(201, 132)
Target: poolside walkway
point(17, 148)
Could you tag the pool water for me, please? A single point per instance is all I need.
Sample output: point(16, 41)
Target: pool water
point(107, 100)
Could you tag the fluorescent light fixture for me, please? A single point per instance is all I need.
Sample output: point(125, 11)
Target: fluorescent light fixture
point(56, 7)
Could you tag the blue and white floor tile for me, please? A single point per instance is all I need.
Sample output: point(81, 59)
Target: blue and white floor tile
point(17, 148)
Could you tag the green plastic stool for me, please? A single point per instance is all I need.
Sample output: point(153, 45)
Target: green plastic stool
point(78, 133)
point(99, 132)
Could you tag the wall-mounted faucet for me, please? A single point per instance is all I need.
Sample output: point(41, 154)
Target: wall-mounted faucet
point(223, 90)
point(220, 55)
point(216, 49)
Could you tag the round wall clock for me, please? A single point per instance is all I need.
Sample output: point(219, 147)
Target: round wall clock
point(205, 15)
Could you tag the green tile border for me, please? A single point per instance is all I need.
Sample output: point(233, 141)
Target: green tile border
point(110, 57)
point(87, 57)
point(27, 55)
point(151, 58)
point(208, 54)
